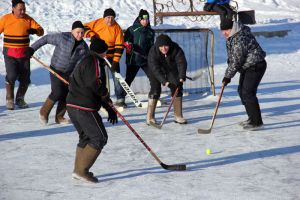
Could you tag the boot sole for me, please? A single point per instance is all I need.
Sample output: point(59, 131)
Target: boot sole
point(77, 177)
point(180, 122)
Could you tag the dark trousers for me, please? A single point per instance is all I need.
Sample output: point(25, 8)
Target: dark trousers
point(90, 128)
point(155, 85)
point(131, 72)
point(17, 69)
point(59, 89)
point(248, 84)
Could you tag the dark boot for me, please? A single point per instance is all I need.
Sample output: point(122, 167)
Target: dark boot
point(85, 161)
point(20, 96)
point(178, 111)
point(79, 151)
point(151, 111)
point(45, 111)
point(10, 96)
point(60, 112)
point(256, 122)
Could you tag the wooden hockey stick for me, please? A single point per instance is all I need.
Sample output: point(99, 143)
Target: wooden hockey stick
point(159, 126)
point(207, 131)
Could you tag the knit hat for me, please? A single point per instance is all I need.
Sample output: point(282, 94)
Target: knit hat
point(15, 2)
point(98, 45)
point(143, 14)
point(109, 12)
point(163, 40)
point(226, 23)
point(77, 24)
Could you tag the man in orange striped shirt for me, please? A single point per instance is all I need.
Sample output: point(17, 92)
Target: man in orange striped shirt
point(17, 26)
point(110, 31)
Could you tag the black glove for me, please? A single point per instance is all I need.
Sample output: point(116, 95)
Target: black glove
point(180, 84)
point(172, 86)
point(226, 80)
point(112, 116)
point(115, 66)
point(32, 31)
point(29, 52)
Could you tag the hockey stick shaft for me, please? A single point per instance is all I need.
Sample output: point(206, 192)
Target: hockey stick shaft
point(125, 86)
point(168, 167)
point(51, 70)
point(169, 108)
point(205, 131)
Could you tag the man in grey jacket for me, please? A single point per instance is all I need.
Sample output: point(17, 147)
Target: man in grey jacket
point(246, 57)
point(70, 48)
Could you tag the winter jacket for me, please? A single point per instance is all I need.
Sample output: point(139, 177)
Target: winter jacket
point(16, 37)
point(112, 35)
point(88, 83)
point(142, 38)
point(64, 58)
point(243, 50)
point(174, 62)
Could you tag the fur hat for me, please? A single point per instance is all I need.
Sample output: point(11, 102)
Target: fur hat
point(15, 2)
point(226, 23)
point(143, 14)
point(163, 40)
point(109, 12)
point(77, 24)
point(98, 45)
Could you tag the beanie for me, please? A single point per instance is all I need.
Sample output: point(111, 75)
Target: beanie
point(226, 23)
point(15, 2)
point(98, 45)
point(143, 14)
point(163, 40)
point(109, 12)
point(77, 24)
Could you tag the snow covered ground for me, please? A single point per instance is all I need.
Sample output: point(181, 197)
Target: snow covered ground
point(37, 161)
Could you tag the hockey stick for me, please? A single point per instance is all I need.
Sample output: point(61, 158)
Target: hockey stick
point(51, 71)
point(207, 131)
point(167, 167)
point(126, 87)
point(159, 126)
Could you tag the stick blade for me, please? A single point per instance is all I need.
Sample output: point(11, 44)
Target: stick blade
point(204, 131)
point(158, 126)
point(174, 167)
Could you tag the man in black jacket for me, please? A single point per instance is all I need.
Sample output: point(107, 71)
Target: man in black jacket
point(246, 57)
point(167, 64)
point(87, 93)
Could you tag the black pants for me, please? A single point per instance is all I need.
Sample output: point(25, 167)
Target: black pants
point(248, 84)
point(155, 85)
point(17, 69)
point(90, 128)
point(131, 72)
point(59, 89)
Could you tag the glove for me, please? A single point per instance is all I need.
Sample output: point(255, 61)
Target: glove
point(172, 86)
point(180, 84)
point(32, 31)
point(112, 116)
point(226, 80)
point(29, 52)
point(129, 47)
point(115, 66)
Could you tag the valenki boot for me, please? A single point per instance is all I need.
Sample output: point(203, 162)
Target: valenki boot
point(60, 112)
point(151, 111)
point(83, 162)
point(10, 96)
point(45, 110)
point(178, 111)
